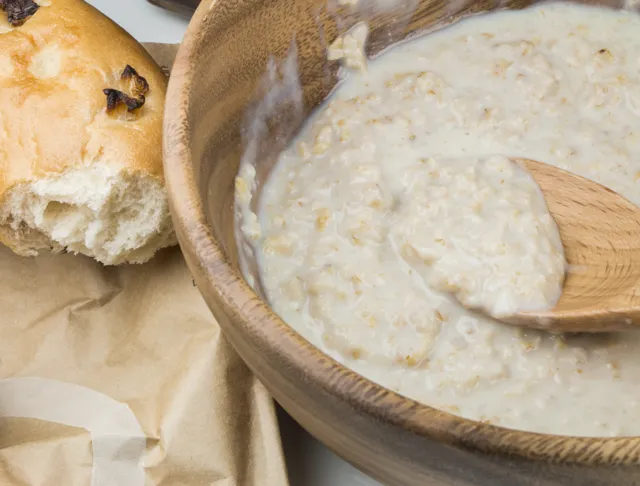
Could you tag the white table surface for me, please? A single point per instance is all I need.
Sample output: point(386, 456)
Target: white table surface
point(308, 461)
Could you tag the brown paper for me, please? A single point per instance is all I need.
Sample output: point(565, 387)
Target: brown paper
point(119, 376)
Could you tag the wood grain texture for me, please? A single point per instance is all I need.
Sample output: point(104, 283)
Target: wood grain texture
point(399, 441)
point(600, 232)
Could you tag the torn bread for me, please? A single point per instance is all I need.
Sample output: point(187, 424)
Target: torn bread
point(81, 106)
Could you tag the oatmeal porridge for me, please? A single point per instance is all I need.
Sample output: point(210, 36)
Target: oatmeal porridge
point(398, 211)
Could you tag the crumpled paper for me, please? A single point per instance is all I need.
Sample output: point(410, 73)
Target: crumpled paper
point(119, 376)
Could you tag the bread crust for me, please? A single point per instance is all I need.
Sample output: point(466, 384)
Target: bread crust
point(53, 117)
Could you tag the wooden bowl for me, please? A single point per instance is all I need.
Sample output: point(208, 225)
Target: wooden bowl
point(214, 83)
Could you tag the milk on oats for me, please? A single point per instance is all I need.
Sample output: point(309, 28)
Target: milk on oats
point(398, 202)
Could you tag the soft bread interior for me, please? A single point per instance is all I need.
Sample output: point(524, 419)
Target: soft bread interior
point(101, 211)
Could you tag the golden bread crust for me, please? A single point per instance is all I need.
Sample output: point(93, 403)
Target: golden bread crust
point(53, 117)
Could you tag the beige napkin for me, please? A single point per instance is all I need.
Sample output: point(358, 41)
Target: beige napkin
point(119, 376)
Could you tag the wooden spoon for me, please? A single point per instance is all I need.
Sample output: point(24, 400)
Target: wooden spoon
point(600, 232)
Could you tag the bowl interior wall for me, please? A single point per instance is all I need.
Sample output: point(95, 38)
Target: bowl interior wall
point(232, 81)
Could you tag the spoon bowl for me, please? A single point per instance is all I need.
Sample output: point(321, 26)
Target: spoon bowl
point(600, 232)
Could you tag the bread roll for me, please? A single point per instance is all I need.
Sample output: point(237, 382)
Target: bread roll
point(75, 176)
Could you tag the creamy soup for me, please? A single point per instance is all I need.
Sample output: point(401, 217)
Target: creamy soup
point(397, 213)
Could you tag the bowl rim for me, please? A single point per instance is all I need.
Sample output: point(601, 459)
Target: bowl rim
point(320, 370)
